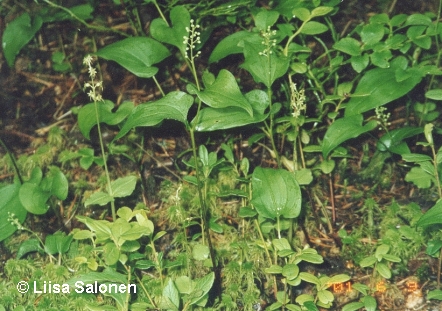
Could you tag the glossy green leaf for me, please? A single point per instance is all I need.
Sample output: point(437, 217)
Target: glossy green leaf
point(349, 46)
point(263, 69)
point(367, 261)
point(416, 157)
point(378, 87)
point(28, 246)
point(308, 277)
point(314, 28)
point(432, 216)
point(435, 94)
point(17, 34)
point(275, 193)
point(325, 296)
point(175, 105)
point(321, 11)
point(59, 183)
point(124, 186)
point(224, 93)
point(87, 117)
point(370, 303)
point(10, 204)
point(372, 33)
point(57, 243)
point(383, 270)
point(359, 62)
point(180, 18)
point(381, 58)
point(344, 129)
point(265, 19)
point(301, 13)
point(233, 44)
point(392, 139)
point(211, 119)
point(353, 306)
point(34, 199)
point(136, 54)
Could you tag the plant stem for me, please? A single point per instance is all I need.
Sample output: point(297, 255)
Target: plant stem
point(12, 160)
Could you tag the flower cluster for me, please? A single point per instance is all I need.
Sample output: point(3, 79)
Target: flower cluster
point(13, 220)
point(297, 100)
point(95, 86)
point(192, 39)
point(268, 42)
point(382, 117)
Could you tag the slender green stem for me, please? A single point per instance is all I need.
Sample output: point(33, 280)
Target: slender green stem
point(158, 85)
point(436, 173)
point(160, 12)
point(145, 291)
point(12, 160)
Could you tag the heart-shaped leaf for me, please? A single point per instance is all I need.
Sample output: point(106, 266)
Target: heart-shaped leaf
point(87, 117)
point(136, 54)
point(174, 35)
point(10, 204)
point(174, 105)
point(275, 193)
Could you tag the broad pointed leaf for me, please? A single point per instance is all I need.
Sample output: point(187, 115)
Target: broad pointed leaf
point(275, 192)
point(174, 105)
point(136, 54)
point(225, 92)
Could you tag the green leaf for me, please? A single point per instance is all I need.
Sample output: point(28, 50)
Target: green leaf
point(435, 294)
point(308, 277)
point(302, 13)
point(381, 250)
point(200, 252)
point(378, 87)
point(344, 129)
point(170, 292)
point(175, 106)
point(372, 33)
point(368, 261)
point(28, 246)
point(359, 62)
point(265, 19)
point(381, 58)
point(111, 253)
point(17, 34)
point(87, 117)
point(136, 54)
point(435, 94)
point(391, 140)
point(233, 44)
point(290, 271)
point(281, 244)
point(275, 192)
point(100, 198)
point(369, 303)
point(108, 275)
point(349, 46)
point(211, 119)
point(34, 199)
point(60, 184)
point(313, 28)
point(321, 11)
point(419, 177)
point(391, 258)
point(383, 270)
point(274, 269)
point(224, 93)
point(325, 296)
point(432, 216)
point(202, 287)
point(10, 204)
point(123, 187)
point(263, 69)
point(174, 35)
point(57, 243)
point(353, 306)
point(416, 157)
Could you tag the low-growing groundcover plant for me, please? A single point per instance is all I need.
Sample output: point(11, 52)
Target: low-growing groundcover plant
point(305, 91)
